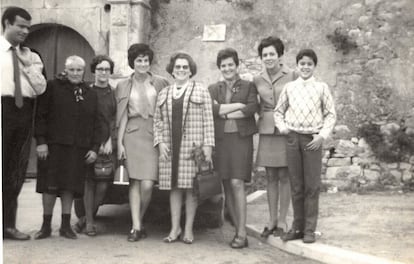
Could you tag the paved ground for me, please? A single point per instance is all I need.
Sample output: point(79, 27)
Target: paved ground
point(380, 224)
point(111, 246)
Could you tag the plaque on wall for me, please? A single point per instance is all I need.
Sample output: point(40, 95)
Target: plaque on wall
point(214, 32)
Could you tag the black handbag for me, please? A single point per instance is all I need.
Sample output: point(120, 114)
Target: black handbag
point(103, 168)
point(121, 174)
point(207, 183)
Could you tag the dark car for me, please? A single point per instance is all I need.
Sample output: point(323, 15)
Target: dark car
point(209, 212)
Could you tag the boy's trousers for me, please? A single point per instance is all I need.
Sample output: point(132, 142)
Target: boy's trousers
point(305, 179)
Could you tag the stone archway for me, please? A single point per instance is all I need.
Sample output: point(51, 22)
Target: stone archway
point(55, 43)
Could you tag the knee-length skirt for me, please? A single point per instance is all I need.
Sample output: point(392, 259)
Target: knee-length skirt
point(234, 157)
point(271, 151)
point(142, 157)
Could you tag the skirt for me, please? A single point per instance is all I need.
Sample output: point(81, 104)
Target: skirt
point(63, 170)
point(141, 155)
point(234, 157)
point(271, 151)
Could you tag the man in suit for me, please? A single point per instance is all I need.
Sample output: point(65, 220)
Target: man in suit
point(21, 82)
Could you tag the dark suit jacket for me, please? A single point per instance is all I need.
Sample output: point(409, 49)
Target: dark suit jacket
point(62, 120)
point(246, 93)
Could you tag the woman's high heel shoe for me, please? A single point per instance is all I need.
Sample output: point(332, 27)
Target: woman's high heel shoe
point(170, 239)
point(267, 232)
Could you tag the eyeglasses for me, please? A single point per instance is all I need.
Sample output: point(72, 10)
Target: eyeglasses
point(184, 67)
point(103, 69)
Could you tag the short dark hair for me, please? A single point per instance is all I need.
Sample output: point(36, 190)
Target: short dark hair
point(100, 58)
point(271, 41)
point(227, 53)
point(10, 14)
point(308, 53)
point(139, 49)
point(181, 55)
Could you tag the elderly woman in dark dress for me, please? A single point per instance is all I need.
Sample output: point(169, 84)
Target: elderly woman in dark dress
point(95, 189)
point(136, 99)
point(67, 132)
point(183, 118)
point(234, 106)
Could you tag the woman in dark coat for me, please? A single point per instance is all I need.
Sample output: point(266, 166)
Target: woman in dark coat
point(102, 67)
point(67, 132)
point(234, 106)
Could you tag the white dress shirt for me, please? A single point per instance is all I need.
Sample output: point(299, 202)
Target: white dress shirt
point(33, 63)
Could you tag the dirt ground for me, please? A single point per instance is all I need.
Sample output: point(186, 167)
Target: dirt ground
point(110, 246)
point(380, 224)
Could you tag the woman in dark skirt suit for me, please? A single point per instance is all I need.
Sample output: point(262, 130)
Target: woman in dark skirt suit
point(67, 131)
point(136, 99)
point(234, 106)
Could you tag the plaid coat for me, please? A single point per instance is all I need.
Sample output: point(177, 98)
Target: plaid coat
point(197, 128)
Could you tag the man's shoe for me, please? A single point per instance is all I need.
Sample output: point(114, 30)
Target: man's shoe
point(292, 235)
point(44, 232)
point(13, 233)
point(309, 237)
point(68, 233)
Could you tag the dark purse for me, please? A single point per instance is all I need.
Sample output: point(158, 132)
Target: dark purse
point(121, 174)
point(103, 168)
point(207, 183)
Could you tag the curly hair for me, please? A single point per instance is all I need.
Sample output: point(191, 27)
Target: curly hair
point(271, 41)
point(100, 58)
point(139, 49)
point(227, 53)
point(181, 55)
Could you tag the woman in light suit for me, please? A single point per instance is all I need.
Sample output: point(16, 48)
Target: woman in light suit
point(136, 99)
point(183, 118)
point(271, 152)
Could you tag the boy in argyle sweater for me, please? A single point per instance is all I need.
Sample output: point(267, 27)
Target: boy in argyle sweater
point(305, 112)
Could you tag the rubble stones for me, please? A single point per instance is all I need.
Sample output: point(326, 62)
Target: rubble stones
point(338, 162)
point(371, 175)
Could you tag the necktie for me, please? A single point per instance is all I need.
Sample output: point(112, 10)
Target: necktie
point(16, 75)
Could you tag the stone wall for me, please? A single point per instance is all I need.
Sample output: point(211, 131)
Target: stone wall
point(365, 55)
point(364, 47)
point(350, 164)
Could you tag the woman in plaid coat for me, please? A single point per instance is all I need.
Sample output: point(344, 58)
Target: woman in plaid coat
point(183, 119)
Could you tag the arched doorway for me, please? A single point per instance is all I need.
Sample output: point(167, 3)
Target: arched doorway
point(55, 43)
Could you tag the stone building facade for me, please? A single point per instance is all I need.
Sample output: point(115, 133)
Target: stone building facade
point(364, 46)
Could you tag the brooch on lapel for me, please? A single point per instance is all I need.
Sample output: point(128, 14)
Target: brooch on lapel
point(235, 89)
point(78, 94)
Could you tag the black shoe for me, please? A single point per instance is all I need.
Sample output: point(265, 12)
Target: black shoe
point(13, 233)
point(68, 233)
point(278, 232)
point(44, 232)
point(292, 235)
point(239, 242)
point(267, 232)
point(309, 237)
point(134, 235)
